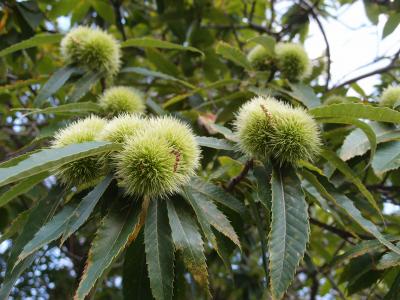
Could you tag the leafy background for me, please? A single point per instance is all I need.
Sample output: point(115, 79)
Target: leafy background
point(351, 253)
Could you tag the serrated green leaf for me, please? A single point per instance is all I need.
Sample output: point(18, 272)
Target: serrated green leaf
point(12, 277)
point(104, 9)
point(83, 85)
point(357, 143)
point(37, 40)
point(304, 94)
point(155, 74)
point(187, 239)
point(328, 191)
point(69, 109)
point(67, 221)
point(211, 142)
point(162, 62)
point(356, 87)
point(159, 250)
point(111, 239)
point(39, 214)
point(268, 42)
point(263, 177)
point(388, 260)
point(391, 24)
point(208, 210)
point(362, 248)
point(55, 82)
point(21, 188)
point(15, 160)
point(233, 54)
point(226, 132)
point(206, 227)
point(217, 194)
point(147, 42)
point(135, 280)
point(202, 219)
point(335, 161)
point(48, 159)
point(357, 110)
point(157, 109)
point(289, 230)
point(387, 157)
point(365, 128)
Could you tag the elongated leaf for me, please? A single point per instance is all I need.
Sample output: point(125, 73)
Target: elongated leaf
point(21, 188)
point(111, 239)
point(48, 159)
point(147, 42)
point(159, 251)
point(67, 221)
point(135, 279)
point(39, 215)
point(394, 289)
point(16, 226)
point(37, 40)
point(357, 110)
point(155, 74)
point(55, 82)
point(83, 85)
point(268, 42)
point(12, 277)
point(15, 160)
point(70, 109)
point(233, 54)
point(226, 132)
point(362, 248)
point(187, 239)
point(357, 143)
point(217, 194)
point(162, 63)
point(392, 22)
point(205, 208)
point(365, 129)
point(388, 260)
point(333, 159)
point(202, 219)
point(205, 225)
point(305, 95)
point(387, 158)
point(214, 85)
point(211, 142)
point(263, 177)
point(289, 230)
point(327, 191)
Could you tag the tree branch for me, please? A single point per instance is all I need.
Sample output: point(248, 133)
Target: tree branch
point(392, 65)
point(328, 49)
point(241, 176)
point(339, 232)
point(117, 9)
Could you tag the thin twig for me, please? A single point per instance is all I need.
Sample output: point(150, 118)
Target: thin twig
point(117, 9)
point(241, 176)
point(252, 10)
point(339, 232)
point(392, 65)
point(328, 49)
point(272, 7)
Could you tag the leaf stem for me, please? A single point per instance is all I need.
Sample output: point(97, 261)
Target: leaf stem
point(142, 219)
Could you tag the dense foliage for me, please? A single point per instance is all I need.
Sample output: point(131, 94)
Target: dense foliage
point(176, 149)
